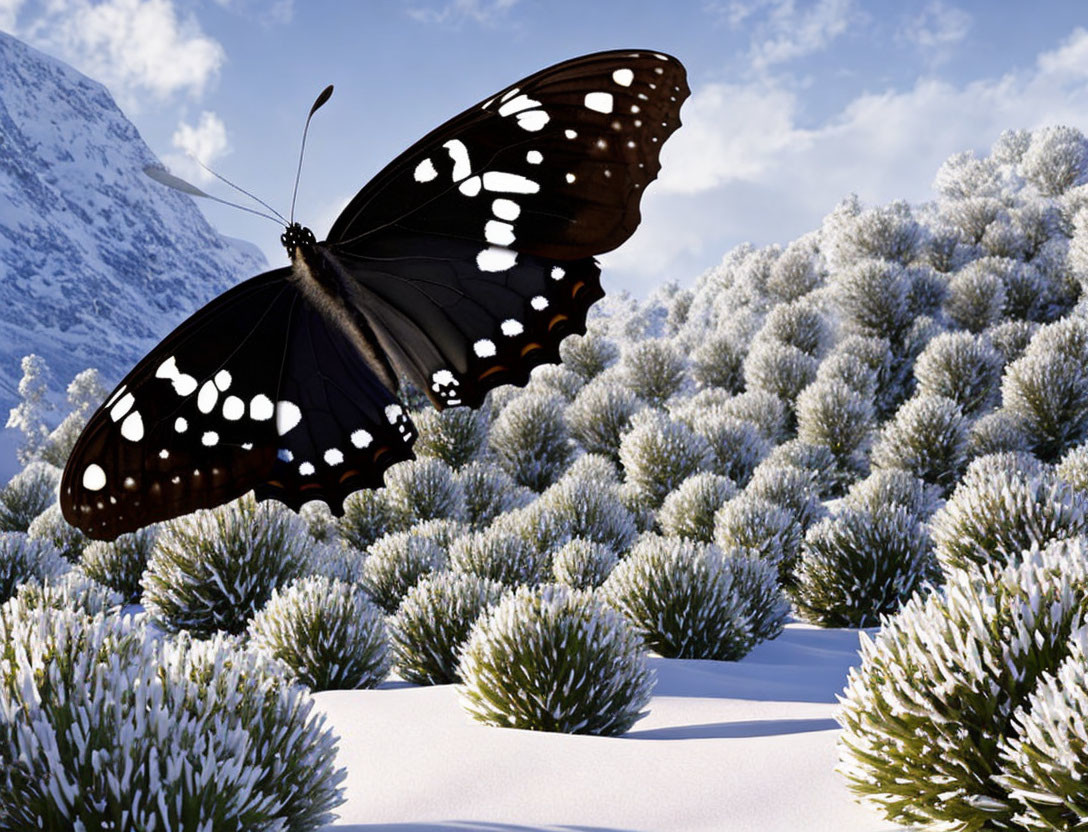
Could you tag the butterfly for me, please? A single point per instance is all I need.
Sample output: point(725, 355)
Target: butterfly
point(460, 267)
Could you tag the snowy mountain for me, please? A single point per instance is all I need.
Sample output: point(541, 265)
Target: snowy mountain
point(97, 261)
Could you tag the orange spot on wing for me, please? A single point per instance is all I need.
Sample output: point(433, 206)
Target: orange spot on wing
point(554, 322)
point(349, 475)
point(576, 288)
point(498, 368)
point(528, 348)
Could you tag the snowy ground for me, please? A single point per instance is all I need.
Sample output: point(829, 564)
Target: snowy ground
point(727, 746)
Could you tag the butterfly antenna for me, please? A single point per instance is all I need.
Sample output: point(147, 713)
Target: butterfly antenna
point(240, 189)
point(325, 95)
point(164, 177)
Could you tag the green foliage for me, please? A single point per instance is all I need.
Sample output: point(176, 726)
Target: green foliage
point(689, 510)
point(530, 440)
point(327, 632)
point(653, 369)
point(600, 415)
point(888, 487)
point(860, 565)
point(51, 526)
point(588, 355)
point(500, 554)
point(999, 431)
point(24, 559)
point(778, 368)
point(367, 516)
point(871, 297)
point(212, 570)
point(736, 445)
point(457, 435)
point(659, 453)
point(423, 489)
point(433, 622)
point(395, 563)
point(962, 367)
point(818, 460)
point(766, 530)
point(794, 489)
point(927, 437)
point(583, 564)
point(72, 590)
point(590, 509)
point(718, 362)
point(489, 492)
point(28, 494)
point(832, 414)
point(554, 659)
point(120, 564)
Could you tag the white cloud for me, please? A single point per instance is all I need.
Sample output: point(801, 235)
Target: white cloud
point(206, 142)
point(266, 12)
point(783, 30)
point(937, 27)
point(134, 47)
point(457, 11)
point(743, 167)
point(9, 9)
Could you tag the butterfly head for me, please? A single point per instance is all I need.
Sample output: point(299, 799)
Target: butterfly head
point(296, 236)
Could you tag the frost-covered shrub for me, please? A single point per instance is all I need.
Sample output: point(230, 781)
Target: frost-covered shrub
point(212, 570)
point(860, 565)
point(583, 564)
point(654, 369)
point(933, 702)
point(28, 494)
point(993, 517)
point(596, 468)
point(817, 460)
point(636, 502)
point(72, 590)
point(555, 379)
point(335, 561)
point(120, 564)
point(1011, 338)
point(536, 526)
point(888, 487)
point(489, 491)
point(1073, 468)
point(962, 367)
point(395, 563)
point(320, 521)
point(927, 437)
point(106, 728)
point(456, 435)
point(832, 414)
point(1044, 761)
point(997, 432)
point(423, 489)
point(329, 633)
point(659, 453)
point(976, 298)
point(433, 622)
point(681, 597)
point(794, 489)
point(600, 414)
point(442, 531)
point(796, 272)
point(592, 510)
point(1056, 159)
point(886, 232)
point(689, 510)
point(588, 355)
point(50, 525)
point(718, 362)
point(928, 289)
point(500, 554)
point(767, 530)
point(765, 410)
point(736, 445)
point(554, 659)
point(1048, 390)
point(24, 559)
point(871, 296)
point(799, 324)
point(367, 516)
point(777, 368)
point(530, 440)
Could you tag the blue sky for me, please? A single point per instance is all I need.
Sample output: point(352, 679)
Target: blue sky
point(795, 102)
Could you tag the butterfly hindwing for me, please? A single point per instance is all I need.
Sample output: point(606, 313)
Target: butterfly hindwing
point(203, 417)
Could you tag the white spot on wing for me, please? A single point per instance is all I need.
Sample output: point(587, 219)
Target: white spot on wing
point(443, 378)
point(498, 233)
point(180, 424)
point(495, 259)
point(233, 409)
point(306, 469)
point(425, 171)
point(470, 187)
point(133, 427)
point(207, 397)
point(485, 348)
point(534, 157)
point(361, 438)
point(539, 303)
point(393, 412)
point(533, 120)
point(94, 478)
point(623, 77)
point(571, 177)
point(600, 102)
point(284, 455)
point(495, 180)
point(459, 154)
point(558, 273)
point(260, 408)
point(510, 328)
point(222, 380)
point(122, 407)
point(164, 454)
point(334, 456)
point(287, 416)
point(506, 96)
point(116, 394)
point(516, 105)
point(505, 209)
point(210, 438)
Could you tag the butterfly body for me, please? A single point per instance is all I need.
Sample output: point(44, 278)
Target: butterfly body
point(461, 266)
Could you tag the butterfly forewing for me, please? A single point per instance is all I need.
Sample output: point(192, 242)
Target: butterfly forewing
point(206, 416)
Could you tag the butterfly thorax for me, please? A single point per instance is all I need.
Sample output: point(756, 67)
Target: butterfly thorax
point(295, 236)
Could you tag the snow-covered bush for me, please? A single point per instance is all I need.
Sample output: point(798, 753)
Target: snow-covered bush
point(962, 367)
point(600, 415)
point(588, 355)
point(555, 659)
point(736, 445)
point(796, 272)
point(596, 468)
point(329, 633)
point(555, 379)
point(538, 527)
point(335, 560)
point(212, 570)
point(654, 369)
point(24, 559)
point(927, 437)
point(50, 525)
point(395, 563)
point(591, 509)
point(367, 516)
point(28, 494)
point(765, 410)
point(681, 598)
point(72, 590)
point(818, 460)
point(999, 431)
point(106, 728)
point(500, 554)
point(489, 491)
point(1073, 468)
point(794, 489)
point(423, 489)
point(778, 368)
point(1011, 338)
point(799, 324)
point(689, 510)
point(530, 440)
point(659, 453)
point(456, 436)
point(766, 530)
point(998, 512)
point(120, 564)
point(1056, 159)
point(320, 521)
point(860, 565)
point(583, 564)
point(433, 622)
point(976, 298)
point(886, 232)
point(932, 704)
point(888, 487)
point(718, 362)
point(871, 297)
point(832, 414)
